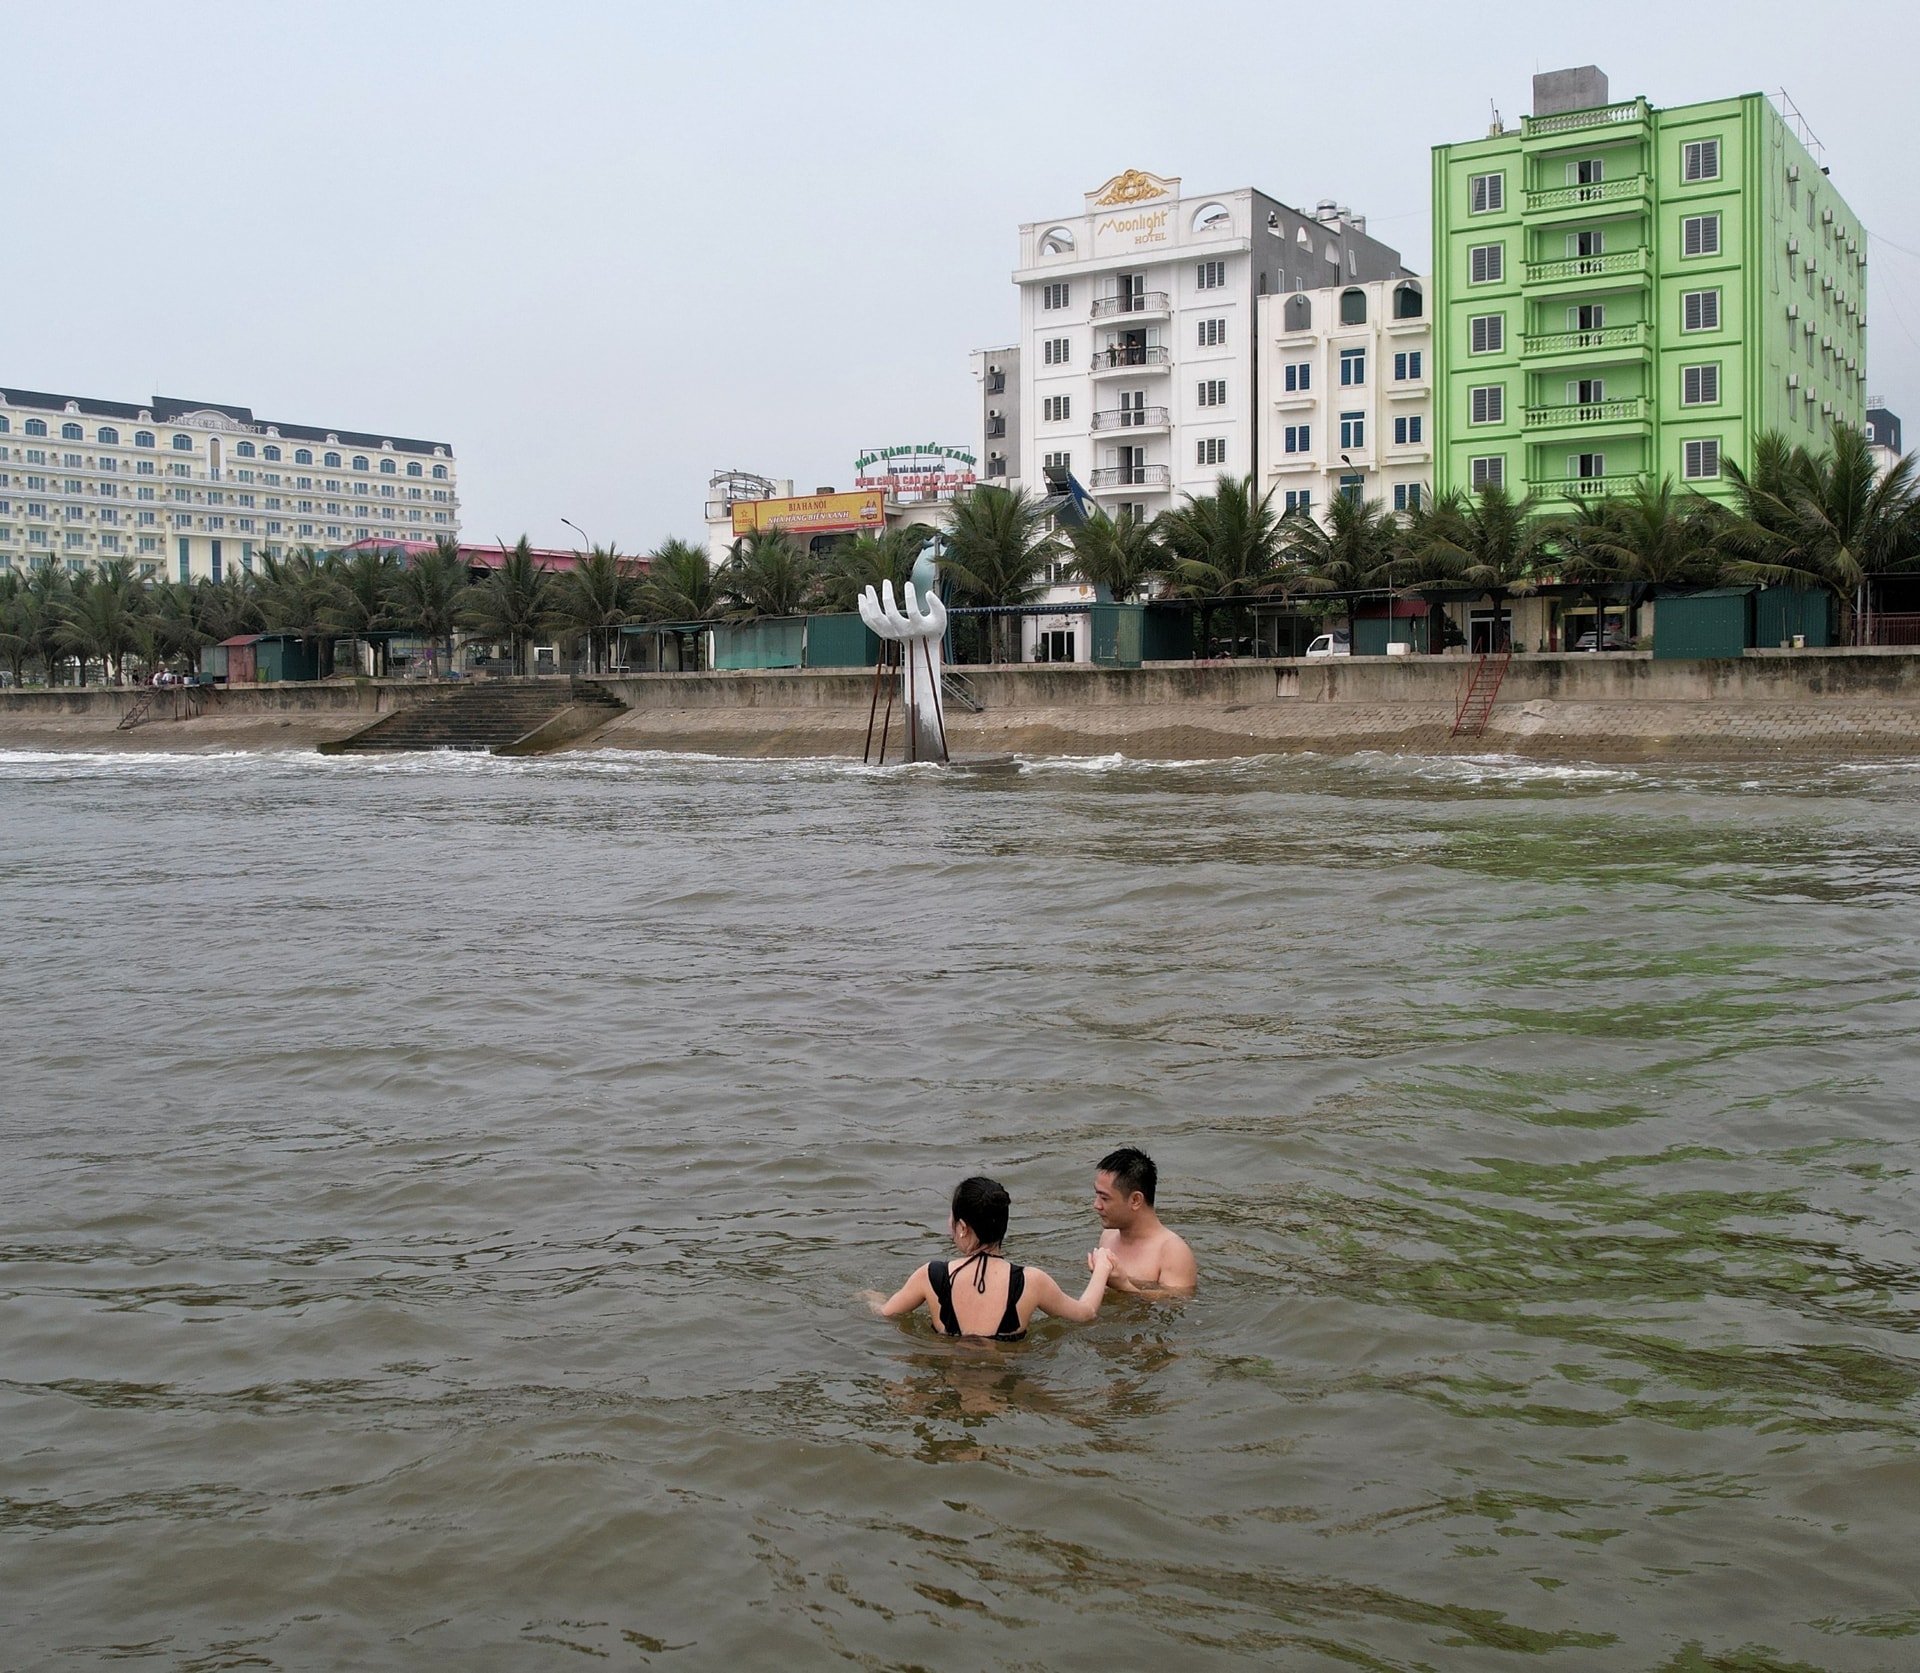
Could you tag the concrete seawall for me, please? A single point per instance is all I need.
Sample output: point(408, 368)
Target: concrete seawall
point(1768, 704)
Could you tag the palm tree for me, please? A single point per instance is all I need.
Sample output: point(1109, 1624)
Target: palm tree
point(866, 561)
point(294, 592)
point(101, 618)
point(768, 573)
point(996, 549)
point(170, 628)
point(1116, 553)
point(227, 607)
point(681, 585)
point(1343, 556)
point(514, 602)
point(42, 607)
point(1496, 541)
point(599, 596)
point(1821, 520)
point(1225, 548)
point(360, 600)
point(431, 595)
point(15, 646)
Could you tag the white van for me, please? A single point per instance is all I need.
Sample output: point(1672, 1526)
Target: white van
point(1331, 644)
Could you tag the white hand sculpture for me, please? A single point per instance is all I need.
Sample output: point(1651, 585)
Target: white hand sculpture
point(921, 630)
point(885, 618)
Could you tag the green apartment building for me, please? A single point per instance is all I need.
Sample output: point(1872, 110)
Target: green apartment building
point(1622, 292)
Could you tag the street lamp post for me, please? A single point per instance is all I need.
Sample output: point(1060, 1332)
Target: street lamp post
point(582, 533)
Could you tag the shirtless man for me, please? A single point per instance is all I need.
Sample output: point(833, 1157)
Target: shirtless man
point(1148, 1259)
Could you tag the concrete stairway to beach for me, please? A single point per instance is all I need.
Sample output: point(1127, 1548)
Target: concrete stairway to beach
point(486, 715)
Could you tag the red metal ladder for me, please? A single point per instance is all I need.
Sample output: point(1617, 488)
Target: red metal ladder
point(1482, 692)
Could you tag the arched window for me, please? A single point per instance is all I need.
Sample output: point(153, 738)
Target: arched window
point(1056, 242)
point(332, 461)
point(143, 438)
point(72, 432)
point(243, 450)
point(1212, 217)
point(270, 452)
point(36, 426)
point(413, 467)
point(5, 426)
point(183, 444)
point(109, 436)
point(1353, 307)
point(439, 471)
point(1408, 303)
point(359, 461)
point(1299, 313)
point(303, 455)
point(388, 468)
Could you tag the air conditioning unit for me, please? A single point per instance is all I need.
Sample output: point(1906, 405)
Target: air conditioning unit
point(1793, 380)
point(1826, 215)
point(1793, 246)
point(1793, 171)
point(1793, 310)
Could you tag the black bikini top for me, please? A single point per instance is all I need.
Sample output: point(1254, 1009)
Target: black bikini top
point(941, 1278)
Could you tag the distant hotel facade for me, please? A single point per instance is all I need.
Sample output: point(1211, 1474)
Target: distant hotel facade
point(1137, 366)
point(192, 490)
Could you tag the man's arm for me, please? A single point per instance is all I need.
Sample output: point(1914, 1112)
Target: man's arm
point(1179, 1271)
point(1050, 1298)
point(915, 1292)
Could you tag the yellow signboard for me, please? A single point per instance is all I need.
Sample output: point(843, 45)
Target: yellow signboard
point(812, 513)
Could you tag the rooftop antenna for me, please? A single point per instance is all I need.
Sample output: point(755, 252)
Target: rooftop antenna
point(1790, 114)
point(1495, 128)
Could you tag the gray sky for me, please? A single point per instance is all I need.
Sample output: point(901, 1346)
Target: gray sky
point(605, 249)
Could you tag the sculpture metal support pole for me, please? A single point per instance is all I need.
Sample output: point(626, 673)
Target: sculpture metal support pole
point(919, 628)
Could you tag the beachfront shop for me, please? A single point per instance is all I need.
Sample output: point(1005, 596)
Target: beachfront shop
point(253, 658)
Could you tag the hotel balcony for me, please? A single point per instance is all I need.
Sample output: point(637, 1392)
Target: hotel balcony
point(1605, 341)
point(1152, 304)
point(1116, 477)
point(1131, 357)
point(1628, 114)
point(1573, 203)
point(1582, 487)
point(1588, 273)
point(1132, 418)
point(1589, 415)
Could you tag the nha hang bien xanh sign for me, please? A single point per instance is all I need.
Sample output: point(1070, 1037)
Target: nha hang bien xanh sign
point(922, 469)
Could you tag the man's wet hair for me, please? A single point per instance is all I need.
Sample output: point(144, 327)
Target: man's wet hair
point(983, 1204)
point(1132, 1170)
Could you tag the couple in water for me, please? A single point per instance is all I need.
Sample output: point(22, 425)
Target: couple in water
point(984, 1294)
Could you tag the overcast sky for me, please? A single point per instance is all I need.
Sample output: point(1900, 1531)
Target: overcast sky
point(604, 250)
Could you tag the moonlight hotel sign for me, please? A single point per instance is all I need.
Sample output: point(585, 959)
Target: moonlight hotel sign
point(925, 471)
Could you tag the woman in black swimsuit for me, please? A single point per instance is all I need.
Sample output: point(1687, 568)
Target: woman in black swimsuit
point(984, 1294)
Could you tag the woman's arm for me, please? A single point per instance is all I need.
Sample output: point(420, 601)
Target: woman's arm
point(913, 1293)
point(1050, 1298)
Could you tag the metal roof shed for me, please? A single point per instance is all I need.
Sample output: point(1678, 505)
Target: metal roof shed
point(1718, 622)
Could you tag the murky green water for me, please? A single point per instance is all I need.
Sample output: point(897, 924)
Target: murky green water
point(432, 1197)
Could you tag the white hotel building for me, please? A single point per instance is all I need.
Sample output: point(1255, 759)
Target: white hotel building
point(1349, 394)
point(1138, 362)
point(190, 490)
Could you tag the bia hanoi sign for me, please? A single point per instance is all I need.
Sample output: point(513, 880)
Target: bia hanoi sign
point(922, 471)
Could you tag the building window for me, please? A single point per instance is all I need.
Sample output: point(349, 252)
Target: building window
point(1700, 311)
point(1700, 235)
point(1057, 461)
point(1353, 368)
point(1054, 350)
point(359, 461)
point(1297, 375)
point(1406, 496)
point(270, 452)
point(1353, 430)
point(1487, 334)
point(183, 444)
point(413, 467)
point(1406, 431)
point(303, 455)
point(1213, 392)
point(1699, 386)
point(1213, 333)
point(439, 473)
point(1489, 471)
point(108, 437)
point(1700, 160)
point(1055, 295)
point(1487, 404)
point(1408, 303)
point(1486, 194)
point(1056, 409)
point(1212, 450)
point(72, 432)
point(1701, 459)
point(36, 426)
point(1353, 307)
point(331, 461)
point(1407, 367)
point(1299, 314)
point(1587, 467)
point(1297, 438)
point(1486, 264)
point(1212, 275)
point(388, 468)
point(1299, 499)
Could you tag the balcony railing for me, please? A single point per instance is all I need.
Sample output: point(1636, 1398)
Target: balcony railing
point(1635, 336)
point(1594, 193)
point(1134, 476)
point(1584, 269)
point(1586, 414)
point(1582, 487)
point(1131, 356)
point(1131, 418)
point(1146, 302)
point(1572, 121)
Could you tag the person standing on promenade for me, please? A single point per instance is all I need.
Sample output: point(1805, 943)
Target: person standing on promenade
point(1148, 1258)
